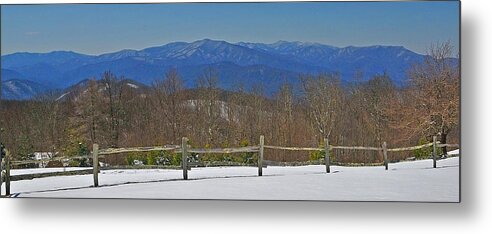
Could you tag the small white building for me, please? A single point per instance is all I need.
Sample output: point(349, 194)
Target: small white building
point(43, 156)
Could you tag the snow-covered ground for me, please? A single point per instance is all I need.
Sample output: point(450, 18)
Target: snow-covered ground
point(454, 152)
point(404, 181)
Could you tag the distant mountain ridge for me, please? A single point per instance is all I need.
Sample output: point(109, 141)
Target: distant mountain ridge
point(236, 63)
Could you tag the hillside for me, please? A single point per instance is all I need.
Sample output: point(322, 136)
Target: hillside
point(236, 63)
point(16, 89)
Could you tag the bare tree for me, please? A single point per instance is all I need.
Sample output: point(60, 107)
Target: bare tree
point(88, 114)
point(113, 87)
point(323, 99)
point(168, 93)
point(377, 94)
point(435, 92)
point(208, 104)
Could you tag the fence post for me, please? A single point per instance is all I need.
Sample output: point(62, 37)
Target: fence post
point(184, 158)
point(260, 156)
point(385, 154)
point(327, 155)
point(434, 150)
point(7, 175)
point(95, 163)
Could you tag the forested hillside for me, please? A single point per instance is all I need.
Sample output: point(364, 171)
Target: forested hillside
point(114, 111)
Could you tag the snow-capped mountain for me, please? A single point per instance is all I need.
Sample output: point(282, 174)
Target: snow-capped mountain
point(246, 63)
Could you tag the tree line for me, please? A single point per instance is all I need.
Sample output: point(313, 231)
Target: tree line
point(112, 112)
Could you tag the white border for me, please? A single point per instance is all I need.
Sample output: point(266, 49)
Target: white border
point(473, 215)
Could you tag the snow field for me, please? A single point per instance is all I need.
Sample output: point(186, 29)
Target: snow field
point(404, 181)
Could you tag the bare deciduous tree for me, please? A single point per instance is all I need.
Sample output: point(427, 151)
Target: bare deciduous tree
point(323, 98)
point(168, 94)
point(435, 93)
point(113, 88)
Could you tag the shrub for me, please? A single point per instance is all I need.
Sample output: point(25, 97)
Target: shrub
point(154, 158)
point(318, 155)
point(129, 159)
point(175, 159)
point(425, 152)
point(248, 157)
point(54, 164)
point(79, 162)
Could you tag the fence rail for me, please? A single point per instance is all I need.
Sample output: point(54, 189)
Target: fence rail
point(249, 149)
point(293, 148)
point(412, 147)
point(185, 149)
point(356, 148)
point(138, 149)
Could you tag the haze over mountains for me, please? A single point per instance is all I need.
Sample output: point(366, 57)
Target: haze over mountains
point(27, 74)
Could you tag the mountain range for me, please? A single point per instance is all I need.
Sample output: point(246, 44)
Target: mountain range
point(26, 74)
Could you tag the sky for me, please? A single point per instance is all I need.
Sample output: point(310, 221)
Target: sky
point(101, 28)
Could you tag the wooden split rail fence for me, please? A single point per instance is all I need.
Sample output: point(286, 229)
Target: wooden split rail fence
point(185, 149)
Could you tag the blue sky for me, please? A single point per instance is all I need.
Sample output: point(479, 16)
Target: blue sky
point(96, 29)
